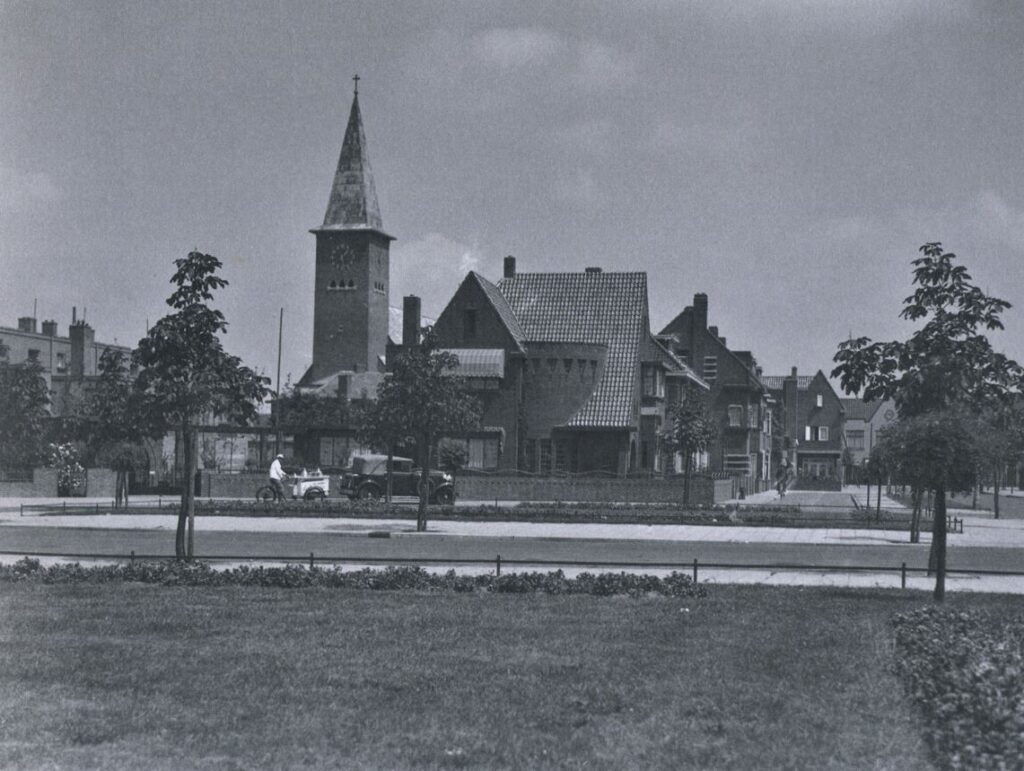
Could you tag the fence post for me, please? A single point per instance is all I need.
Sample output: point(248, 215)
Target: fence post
point(311, 560)
point(903, 576)
point(498, 566)
point(695, 570)
point(133, 557)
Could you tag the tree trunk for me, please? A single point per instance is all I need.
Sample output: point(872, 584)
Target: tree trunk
point(939, 543)
point(878, 498)
point(186, 492)
point(424, 486)
point(867, 479)
point(192, 493)
point(687, 471)
point(388, 484)
point(915, 517)
point(996, 482)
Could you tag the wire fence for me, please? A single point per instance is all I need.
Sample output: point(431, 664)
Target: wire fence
point(498, 562)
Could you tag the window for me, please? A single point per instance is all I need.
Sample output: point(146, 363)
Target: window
point(561, 455)
point(822, 433)
point(530, 455)
point(711, 368)
point(737, 464)
point(545, 456)
point(650, 381)
point(469, 324)
point(807, 433)
point(754, 422)
point(33, 354)
point(62, 362)
point(855, 440)
point(735, 415)
point(482, 453)
point(819, 400)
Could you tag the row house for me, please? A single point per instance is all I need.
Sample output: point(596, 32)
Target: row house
point(569, 375)
point(809, 416)
point(863, 422)
point(737, 398)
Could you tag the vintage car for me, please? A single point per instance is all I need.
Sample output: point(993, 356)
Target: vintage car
point(367, 479)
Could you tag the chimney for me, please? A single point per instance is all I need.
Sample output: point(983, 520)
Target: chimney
point(411, 315)
point(593, 270)
point(722, 339)
point(700, 312)
point(713, 331)
point(50, 328)
point(793, 372)
point(74, 314)
point(82, 337)
point(26, 324)
point(510, 267)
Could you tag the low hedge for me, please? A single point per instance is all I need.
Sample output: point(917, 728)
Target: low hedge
point(389, 579)
point(965, 671)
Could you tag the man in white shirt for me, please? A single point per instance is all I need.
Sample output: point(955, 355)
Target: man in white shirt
point(276, 475)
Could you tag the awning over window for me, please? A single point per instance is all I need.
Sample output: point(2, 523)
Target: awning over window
point(479, 362)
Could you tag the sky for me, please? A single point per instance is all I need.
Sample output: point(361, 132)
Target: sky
point(785, 157)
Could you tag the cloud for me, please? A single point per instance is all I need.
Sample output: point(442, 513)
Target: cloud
point(432, 267)
point(991, 215)
point(593, 136)
point(579, 188)
point(21, 190)
point(601, 66)
point(513, 49)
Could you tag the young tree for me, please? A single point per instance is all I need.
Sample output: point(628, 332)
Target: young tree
point(691, 429)
point(185, 373)
point(421, 399)
point(24, 408)
point(945, 368)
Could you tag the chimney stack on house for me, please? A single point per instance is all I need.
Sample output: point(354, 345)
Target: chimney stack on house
point(510, 267)
point(593, 270)
point(50, 328)
point(26, 324)
point(700, 312)
point(82, 338)
point(411, 319)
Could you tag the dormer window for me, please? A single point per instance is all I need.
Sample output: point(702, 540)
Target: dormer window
point(820, 400)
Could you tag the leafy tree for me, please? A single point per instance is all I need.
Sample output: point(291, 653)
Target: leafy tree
point(452, 455)
point(112, 421)
point(24, 409)
point(64, 458)
point(945, 368)
point(300, 411)
point(691, 429)
point(186, 375)
point(420, 401)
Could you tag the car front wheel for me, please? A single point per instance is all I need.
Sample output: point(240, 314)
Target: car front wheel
point(445, 496)
point(369, 493)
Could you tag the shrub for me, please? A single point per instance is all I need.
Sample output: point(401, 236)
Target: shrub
point(965, 672)
point(172, 573)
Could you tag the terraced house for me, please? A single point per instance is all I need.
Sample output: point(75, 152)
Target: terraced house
point(570, 376)
point(810, 417)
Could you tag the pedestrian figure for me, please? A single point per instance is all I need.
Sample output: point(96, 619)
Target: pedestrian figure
point(782, 476)
point(276, 475)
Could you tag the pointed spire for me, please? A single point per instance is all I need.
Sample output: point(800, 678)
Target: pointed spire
point(353, 202)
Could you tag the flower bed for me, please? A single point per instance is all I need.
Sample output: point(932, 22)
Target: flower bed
point(965, 671)
point(389, 579)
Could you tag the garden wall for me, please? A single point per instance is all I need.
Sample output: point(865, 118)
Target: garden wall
point(705, 491)
point(42, 485)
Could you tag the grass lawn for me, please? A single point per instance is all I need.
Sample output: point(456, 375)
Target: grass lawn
point(133, 676)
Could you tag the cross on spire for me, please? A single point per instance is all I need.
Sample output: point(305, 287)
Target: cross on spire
point(355, 79)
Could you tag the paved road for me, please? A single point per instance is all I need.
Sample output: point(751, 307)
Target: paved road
point(441, 548)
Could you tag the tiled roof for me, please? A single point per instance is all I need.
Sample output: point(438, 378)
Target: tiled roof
point(774, 382)
point(497, 299)
point(353, 200)
point(601, 308)
point(857, 409)
point(655, 350)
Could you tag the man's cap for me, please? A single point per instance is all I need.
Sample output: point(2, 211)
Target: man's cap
point(279, 456)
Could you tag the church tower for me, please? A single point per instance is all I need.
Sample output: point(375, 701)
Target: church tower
point(350, 301)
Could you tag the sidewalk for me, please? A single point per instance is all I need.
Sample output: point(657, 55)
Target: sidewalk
point(979, 531)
